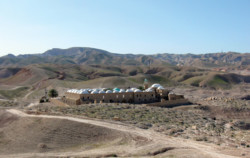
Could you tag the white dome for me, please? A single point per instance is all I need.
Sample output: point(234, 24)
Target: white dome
point(129, 90)
point(108, 91)
point(149, 90)
point(137, 90)
point(160, 87)
point(78, 92)
point(101, 92)
point(94, 92)
point(133, 89)
point(122, 91)
point(156, 85)
point(85, 92)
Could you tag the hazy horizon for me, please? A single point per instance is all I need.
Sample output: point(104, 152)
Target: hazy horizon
point(125, 27)
point(126, 53)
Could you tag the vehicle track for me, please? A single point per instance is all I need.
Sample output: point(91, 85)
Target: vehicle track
point(153, 139)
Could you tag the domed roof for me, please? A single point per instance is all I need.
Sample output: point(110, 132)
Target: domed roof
point(137, 90)
point(78, 92)
point(160, 87)
point(108, 91)
point(122, 90)
point(129, 90)
point(94, 92)
point(85, 92)
point(90, 90)
point(116, 89)
point(101, 92)
point(133, 89)
point(156, 85)
point(149, 90)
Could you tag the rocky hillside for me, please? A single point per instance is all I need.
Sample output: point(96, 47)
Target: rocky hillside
point(87, 56)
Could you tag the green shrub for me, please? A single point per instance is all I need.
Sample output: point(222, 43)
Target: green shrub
point(53, 93)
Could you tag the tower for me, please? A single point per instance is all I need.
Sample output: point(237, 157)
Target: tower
point(145, 84)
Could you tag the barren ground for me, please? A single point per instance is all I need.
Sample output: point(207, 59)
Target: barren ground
point(25, 135)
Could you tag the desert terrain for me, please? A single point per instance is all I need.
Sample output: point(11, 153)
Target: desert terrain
point(216, 124)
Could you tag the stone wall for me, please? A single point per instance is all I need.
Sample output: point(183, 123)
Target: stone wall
point(175, 97)
point(126, 97)
point(170, 103)
point(162, 97)
point(71, 101)
point(144, 97)
point(57, 102)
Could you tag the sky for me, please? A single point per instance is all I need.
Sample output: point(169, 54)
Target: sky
point(125, 26)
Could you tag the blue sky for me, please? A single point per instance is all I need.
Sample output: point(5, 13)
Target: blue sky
point(125, 26)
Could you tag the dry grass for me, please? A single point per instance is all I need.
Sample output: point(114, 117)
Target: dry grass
point(190, 122)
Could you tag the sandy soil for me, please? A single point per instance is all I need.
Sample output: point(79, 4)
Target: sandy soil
point(112, 138)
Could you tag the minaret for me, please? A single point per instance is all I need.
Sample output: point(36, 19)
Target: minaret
point(145, 84)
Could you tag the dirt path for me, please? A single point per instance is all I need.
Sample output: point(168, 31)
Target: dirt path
point(153, 139)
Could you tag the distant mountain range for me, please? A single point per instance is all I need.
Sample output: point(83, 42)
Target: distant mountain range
point(92, 56)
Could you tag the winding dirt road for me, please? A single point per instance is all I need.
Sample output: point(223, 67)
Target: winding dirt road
point(153, 141)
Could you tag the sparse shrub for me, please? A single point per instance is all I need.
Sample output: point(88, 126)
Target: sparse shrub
point(144, 125)
point(53, 93)
point(41, 101)
point(140, 87)
point(42, 145)
point(201, 138)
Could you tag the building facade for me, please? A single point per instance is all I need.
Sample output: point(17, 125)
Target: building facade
point(156, 93)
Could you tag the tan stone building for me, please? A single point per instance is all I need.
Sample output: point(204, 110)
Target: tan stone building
point(156, 93)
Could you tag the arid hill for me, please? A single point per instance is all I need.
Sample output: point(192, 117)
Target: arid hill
point(86, 56)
